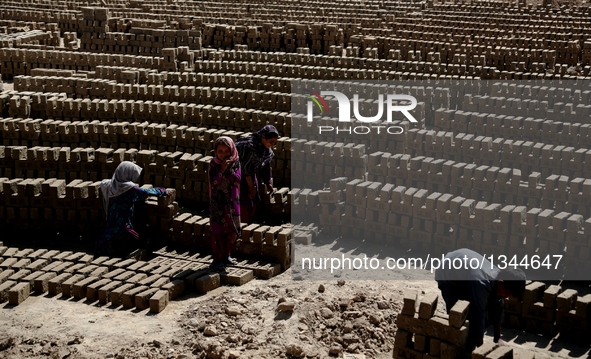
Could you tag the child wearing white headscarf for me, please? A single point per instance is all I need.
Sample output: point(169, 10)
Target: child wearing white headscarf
point(119, 194)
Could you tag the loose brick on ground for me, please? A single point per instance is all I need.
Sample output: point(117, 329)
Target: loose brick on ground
point(207, 283)
point(4, 288)
point(37, 264)
point(159, 301)
point(503, 352)
point(19, 293)
point(236, 276)
point(160, 282)
point(5, 274)
point(175, 288)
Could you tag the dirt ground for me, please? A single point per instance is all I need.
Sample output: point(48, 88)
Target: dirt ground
point(276, 318)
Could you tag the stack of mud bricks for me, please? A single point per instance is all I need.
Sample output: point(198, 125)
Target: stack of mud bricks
point(271, 243)
point(551, 310)
point(276, 206)
point(318, 162)
point(423, 333)
point(93, 27)
point(305, 206)
point(332, 206)
point(162, 210)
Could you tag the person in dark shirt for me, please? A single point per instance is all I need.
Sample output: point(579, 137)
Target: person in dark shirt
point(484, 287)
point(119, 195)
point(255, 153)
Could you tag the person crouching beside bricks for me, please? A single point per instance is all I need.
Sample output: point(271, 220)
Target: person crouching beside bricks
point(224, 201)
point(119, 195)
point(484, 288)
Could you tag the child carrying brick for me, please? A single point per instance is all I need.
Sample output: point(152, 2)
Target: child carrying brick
point(224, 204)
point(119, 195)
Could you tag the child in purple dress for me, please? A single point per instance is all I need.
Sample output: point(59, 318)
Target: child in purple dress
point(224, 204)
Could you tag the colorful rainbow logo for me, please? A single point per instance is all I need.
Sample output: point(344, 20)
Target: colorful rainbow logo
point(318, 100)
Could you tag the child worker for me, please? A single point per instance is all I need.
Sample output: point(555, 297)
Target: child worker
point(119, 194)
point(224, 204)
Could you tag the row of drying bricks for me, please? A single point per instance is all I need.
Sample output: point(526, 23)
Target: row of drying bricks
point(126, 282)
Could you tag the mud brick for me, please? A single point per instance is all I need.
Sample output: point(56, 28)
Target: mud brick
point(410, 302)
point(411, 323)
point(111, 263)
point(135, 278)
point(19, 293)
point(19, 275)
point(403, 339)
point(93, 288)
point(50, 255)
point(533, 292)
point(74, 268)
point(434, 347)
point(566, 300)
point(439, 328)
point(62, 256)
point(86, 269)
point(128, 297)
point(4, 289)
point(538, 312)
point(236, 276)
point(61, 267)
point(160, 282)
point(37, 254)
point(142, 299)
point(513, 306)
point(428, 305)
point(148, 280)
point(125, 263)
point(159, 301)
point(449, 351)
point(421, 343)
point(503, 352)
point(175, 288)
point(104, 292)
point(30, 279)
point(482, 351)
point(191, 279)
point(9, 252)
point(583, 306)
point(458, 314)
point(99, 272)
point(116, 295)
point(406, 353)
point(79, 289)
point(3, 250)
point(23, 253)
point(54, 286)
point(207, 283)
point(21, 264)
point(267, 271)
point(550, 295)
point(5, 274)
point(68, 284)
point(8, 263)
point(99, 261)
point(38, 264)
point(86, 259)
point(137, 265)
point(523, 354)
